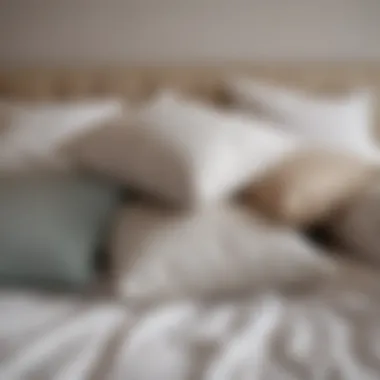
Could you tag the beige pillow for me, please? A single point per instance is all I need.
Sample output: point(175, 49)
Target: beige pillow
point(306, 187)
point(159, 253)
point(356, 227)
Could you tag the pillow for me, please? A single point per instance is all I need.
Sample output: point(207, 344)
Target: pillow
point(51, 228)
point(217, 250)
point(182, 151)
point(309, 185)
point(356, 226)
point(343, 122)
point(31, 133)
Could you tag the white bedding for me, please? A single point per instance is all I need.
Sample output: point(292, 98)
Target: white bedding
point(331, 334)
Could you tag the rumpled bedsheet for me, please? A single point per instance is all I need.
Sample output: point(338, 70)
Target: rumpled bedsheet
point(332, 334)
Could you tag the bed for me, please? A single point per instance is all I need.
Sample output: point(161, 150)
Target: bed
point(326, 334)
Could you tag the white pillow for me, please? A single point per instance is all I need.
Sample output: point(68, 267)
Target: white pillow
point(339, 121)
point(183, 151)
point(30, 133)
point(217, 250)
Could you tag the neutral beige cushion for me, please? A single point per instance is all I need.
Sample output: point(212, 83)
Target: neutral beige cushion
point(356, 227)
point(308, 186)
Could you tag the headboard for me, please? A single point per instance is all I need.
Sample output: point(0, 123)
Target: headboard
point(135, 83)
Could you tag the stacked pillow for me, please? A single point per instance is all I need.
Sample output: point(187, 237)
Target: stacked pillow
point(306, 188)
point(182, 151)
point(195, 158)
point(337, 191)
point(52, 222)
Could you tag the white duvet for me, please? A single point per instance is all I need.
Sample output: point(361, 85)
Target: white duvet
point(329, 334)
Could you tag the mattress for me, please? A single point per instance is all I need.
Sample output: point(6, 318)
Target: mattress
point(329, 334)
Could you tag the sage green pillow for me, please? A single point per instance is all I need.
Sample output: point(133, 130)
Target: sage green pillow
point(51, 229)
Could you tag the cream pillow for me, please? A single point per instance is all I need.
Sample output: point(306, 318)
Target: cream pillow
point(32, 133)
point(160, 253)
point(308, 186)
point(343, 122)
point(183, 151)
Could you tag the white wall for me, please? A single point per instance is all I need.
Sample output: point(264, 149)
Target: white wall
point(75, 31)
